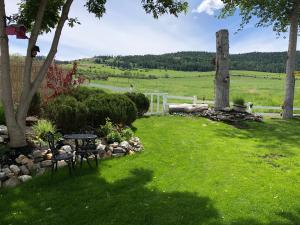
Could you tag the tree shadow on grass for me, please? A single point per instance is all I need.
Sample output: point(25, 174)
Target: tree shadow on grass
point(277, 134)
point(284, 218)
point(89, 199)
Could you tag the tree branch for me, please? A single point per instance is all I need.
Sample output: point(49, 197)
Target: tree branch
point(32, 41)
point(42, 72)
point(24, 105)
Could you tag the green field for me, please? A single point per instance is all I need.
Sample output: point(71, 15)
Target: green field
point(192, 172)
point(260, 90)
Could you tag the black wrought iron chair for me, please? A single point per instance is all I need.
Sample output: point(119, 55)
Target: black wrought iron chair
point(86, 148)
point(56, 156)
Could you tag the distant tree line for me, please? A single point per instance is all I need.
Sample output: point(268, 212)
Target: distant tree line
point(104, 75)
point(200, 61)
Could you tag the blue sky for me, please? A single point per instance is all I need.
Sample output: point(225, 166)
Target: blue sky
point(126, 29)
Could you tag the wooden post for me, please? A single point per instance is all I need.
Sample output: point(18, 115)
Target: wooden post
point(222, 78)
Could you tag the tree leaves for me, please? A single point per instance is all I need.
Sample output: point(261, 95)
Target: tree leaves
point(274, 13)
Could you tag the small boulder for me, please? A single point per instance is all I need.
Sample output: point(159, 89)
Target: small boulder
point(46, 163)
point(26, 161)
point(37, 154)
point(24, 170)
point(20, 158)
point(124, 144)
point(67, 148)
point(119, 150)
point(15, 169)
point(11, 182)
point(48, 156)
point(101, 147)
point(3, 130)
point(2, 176)
point(33, 168)
point(61, 164)
point(131, 152)
point(108, 154)
point(24, 178)
point(114, 145)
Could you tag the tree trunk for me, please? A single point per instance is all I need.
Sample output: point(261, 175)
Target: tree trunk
point(222, 79)
point(290, 65)
point(15, 121)
point(17, 134)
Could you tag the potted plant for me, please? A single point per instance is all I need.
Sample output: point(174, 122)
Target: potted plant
point(239, 105)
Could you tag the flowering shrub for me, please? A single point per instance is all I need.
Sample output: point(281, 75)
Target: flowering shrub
point(60, 82)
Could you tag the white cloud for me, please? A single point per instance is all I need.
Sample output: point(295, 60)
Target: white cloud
point(209, 6)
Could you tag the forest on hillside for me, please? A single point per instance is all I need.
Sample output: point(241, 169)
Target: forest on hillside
point(200, 61)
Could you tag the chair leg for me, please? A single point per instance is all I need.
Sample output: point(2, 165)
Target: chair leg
point(81, 160)
point(73, 164)
point(96, 158)
point(70, 167)
point(52, 168)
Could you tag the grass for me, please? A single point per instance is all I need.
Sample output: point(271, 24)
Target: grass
point(258, 90)
point(192, 172)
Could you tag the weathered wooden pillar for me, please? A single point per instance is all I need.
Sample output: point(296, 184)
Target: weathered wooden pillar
point(222, 79)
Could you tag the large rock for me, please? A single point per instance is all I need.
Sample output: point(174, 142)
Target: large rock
point(46, 163)
point(114, 145)
point(24, 178)
point(101, 147)
point(124, 144)
point(26, 161)
point(20, 158)
point(2, 176)
point(24, 170)
point(67, 148)
point(34, 167)
point(119, 150)
point(37, 154)
point(61, 164)
point(3, 130)
point(31, 120)
point(8, 172)
point(11, 182)
point(15, 169)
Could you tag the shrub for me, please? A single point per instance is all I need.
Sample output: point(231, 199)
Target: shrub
point(107, 128)
point(117, 107)
point(2, 115)
point(127, 134)
point(239, 101)
point(141, 101)
point(82, 93)
point(114, 136)
point(67, 113)
point(113, 133)
point(40, 130)
point(35, 105)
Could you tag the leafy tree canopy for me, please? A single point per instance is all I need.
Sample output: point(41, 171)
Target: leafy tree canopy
point(28, 10)
point(274, 13)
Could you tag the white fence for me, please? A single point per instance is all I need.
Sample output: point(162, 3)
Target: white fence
point(159, 108)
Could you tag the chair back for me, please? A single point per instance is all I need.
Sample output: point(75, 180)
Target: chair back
point(51, 142)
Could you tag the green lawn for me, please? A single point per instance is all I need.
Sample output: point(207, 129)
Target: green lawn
point(192, 172)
